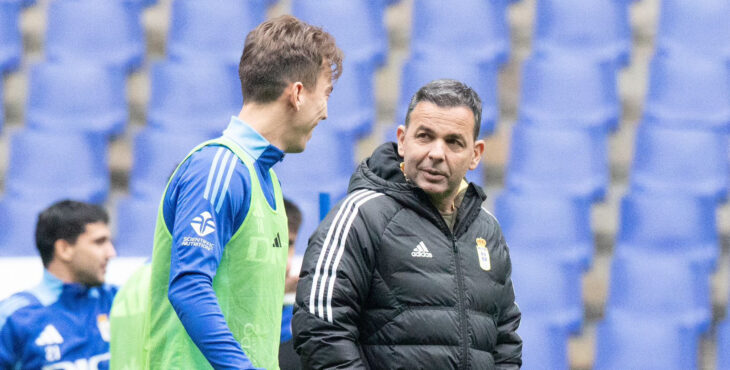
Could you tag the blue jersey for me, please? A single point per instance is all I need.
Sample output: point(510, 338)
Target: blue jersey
point(213, 187)
point(56, 326)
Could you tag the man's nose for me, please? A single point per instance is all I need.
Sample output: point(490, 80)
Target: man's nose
point(111, 251)
point(437, 150)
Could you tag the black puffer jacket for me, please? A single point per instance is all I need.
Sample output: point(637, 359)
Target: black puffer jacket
point(385, 283)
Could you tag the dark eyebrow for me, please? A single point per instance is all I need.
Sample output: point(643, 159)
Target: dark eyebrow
point(428, 130)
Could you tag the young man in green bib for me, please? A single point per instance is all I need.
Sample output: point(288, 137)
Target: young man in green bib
point(218, 267)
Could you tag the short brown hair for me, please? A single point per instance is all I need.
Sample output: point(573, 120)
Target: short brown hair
point(281, 51)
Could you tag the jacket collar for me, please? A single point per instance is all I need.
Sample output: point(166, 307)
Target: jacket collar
point(255, 145)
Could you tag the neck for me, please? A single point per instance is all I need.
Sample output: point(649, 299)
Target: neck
point(269, 120)
point(61, 271)
point(444, 204)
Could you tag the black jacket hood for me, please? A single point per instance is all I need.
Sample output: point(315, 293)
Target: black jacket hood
point(381, 172)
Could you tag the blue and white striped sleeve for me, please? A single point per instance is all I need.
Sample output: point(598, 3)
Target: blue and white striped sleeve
point(206, 203)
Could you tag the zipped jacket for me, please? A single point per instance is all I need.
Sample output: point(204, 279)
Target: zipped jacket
point(386, 285)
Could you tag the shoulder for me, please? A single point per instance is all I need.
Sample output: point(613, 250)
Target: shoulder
point(209, 174)
point(366, 204)
point(18, 305)
point(212, 161)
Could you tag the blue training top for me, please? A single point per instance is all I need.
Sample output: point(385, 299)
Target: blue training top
point(215, 181)
point(56, 326)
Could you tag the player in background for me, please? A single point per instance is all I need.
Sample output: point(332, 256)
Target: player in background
point(63, 323)
point(219, 261)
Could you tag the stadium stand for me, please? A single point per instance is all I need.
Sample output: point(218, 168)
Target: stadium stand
point(352, 109)
point(597, 29)
point(698, 27)
point(135, 230)
point(551, 287)
point(213, 31)
point(156, 155)
point(472, 30)
point(10, 42)
point(547, 345)
point(39, 166)
point(548, 92)
point(192, 97)
point(676, 224)
point(353, 24)
point(669, 288)
point(629, 342)
point(554, 162)
point(558, 226)
point(669, 104)
point(538, 161)
point(76, 97)
point(105, 32)
point(723, 343)
point(671, 160)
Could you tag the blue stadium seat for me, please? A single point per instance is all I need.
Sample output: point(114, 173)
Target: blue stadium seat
point(11, 46)
point(105, 32)
point(156, 155)
point(472, 30)
point(670, 160)
point(669, 224)
point(214, 31)
point(697, 27)
point(723, 343)
point(548, 288)
point(329, 155)
point(544, 345)
point(558, 161)
point(477, 175)
point(536, 224)
point(644, 342)
point(598, 28)
point(351, 106)
point(19, 215)
point(57, 165)
point(2, 111)
point(569, 91)
point(482, 77)
point(76, 97)
point(689, 92)
point(135, 226)
point(661, 286)
point(193, 97)
point(144, 3)
point(354, 24)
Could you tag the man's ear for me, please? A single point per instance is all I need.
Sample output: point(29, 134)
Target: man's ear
point(479, 146)
point(401, 136)
point(63, 250)
point(295, 97)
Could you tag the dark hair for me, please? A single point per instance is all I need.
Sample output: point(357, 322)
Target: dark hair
point(448, 93)
point(65, 220)
point(281, 51)
point(293, 214)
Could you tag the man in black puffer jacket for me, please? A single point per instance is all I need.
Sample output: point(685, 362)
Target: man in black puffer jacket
point(409, 271)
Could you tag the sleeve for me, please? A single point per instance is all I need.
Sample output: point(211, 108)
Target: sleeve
point(508, 350)
point(205, 206)
point(9, 338)
point(333, 285)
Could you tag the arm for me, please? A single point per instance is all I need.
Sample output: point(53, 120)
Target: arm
point(508, 350)
point(325, 325)
point(8, 332)
point(192, 266)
